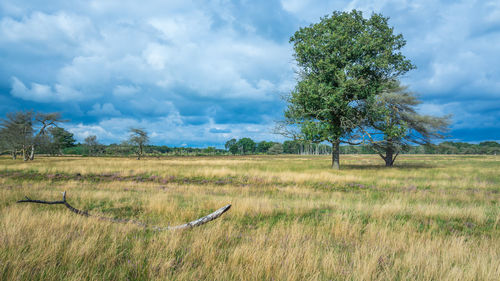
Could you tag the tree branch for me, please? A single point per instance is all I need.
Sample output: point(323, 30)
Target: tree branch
point(394, 159)
point(191, 224)
point(383, 157)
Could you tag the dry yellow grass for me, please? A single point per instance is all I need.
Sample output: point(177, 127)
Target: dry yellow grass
point(429, 218)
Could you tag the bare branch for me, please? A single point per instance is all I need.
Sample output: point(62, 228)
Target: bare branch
point(394, 159)
point(63, 202)
point(191, 224)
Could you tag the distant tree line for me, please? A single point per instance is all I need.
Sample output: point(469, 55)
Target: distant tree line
point(251, 147)
point(310, 148)
point(26, 133)
point(127, 149)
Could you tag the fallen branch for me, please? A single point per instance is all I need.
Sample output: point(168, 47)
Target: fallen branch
point(191, 224)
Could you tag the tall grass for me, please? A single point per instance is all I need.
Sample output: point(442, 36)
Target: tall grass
point(428, 218)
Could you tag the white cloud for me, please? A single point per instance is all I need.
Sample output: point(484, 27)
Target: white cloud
point(125, 90)
point(156, 56)
point(81, 131)
point(149, 105)
point(106, 109)
point(165, 130)
point(186, 27)
point(39, 26)
point(160, 50)
point(44, 93)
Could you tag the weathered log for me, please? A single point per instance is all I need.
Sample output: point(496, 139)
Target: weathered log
point(191, 224)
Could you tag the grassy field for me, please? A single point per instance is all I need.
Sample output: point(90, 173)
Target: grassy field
point(292, 218)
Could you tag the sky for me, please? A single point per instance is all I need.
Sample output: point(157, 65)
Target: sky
point(197, 73)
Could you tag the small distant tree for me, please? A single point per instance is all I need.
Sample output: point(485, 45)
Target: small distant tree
point(232, 146)
point(44, 121)
point(139, 138)
point(291, 147)
point(92, 145)
point(246, 145)
point(234, 149)
point(230, 143)
point(277, 148)
point(264, 146)
point(60, 139)
point(394, 117)
point(210, 150)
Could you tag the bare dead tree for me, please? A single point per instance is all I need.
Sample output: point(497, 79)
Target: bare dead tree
point(188, 225)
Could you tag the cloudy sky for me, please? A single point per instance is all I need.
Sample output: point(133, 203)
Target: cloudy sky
point(198, 73)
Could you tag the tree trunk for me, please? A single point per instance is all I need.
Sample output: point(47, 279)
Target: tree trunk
point(32, 153)
point(14, 155)
point(336, 155)
point(25, 153)
point(139, 152)
point(389, 159)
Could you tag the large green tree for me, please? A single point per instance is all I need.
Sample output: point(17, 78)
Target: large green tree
point(394, 123)
point(343, 61)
